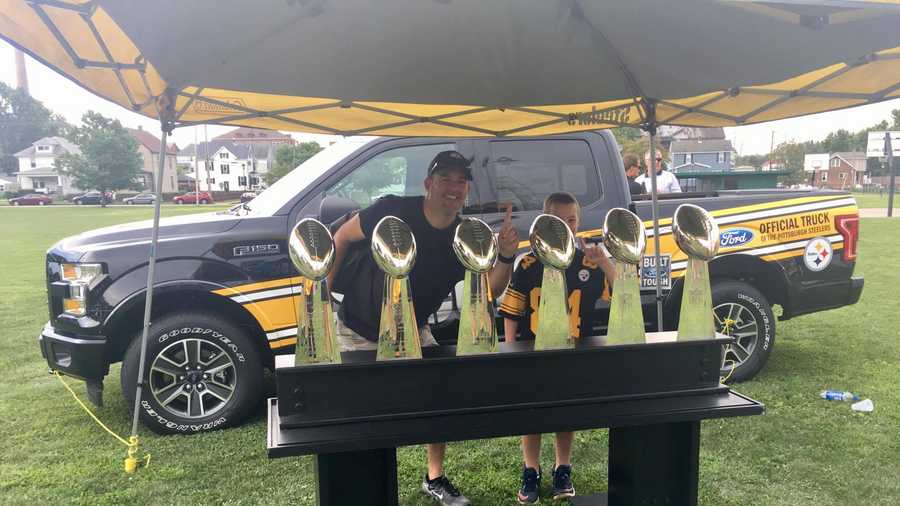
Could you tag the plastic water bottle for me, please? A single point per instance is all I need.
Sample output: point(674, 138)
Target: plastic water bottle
point(837, 395)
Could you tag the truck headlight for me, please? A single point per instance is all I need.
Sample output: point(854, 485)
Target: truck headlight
point(79, 277)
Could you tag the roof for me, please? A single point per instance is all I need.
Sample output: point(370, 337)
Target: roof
point(43, 171)
point(849, 155)
point(696, 146)
point(150, 141)
point(244, 134)
point(679, 133)
point(241, 151)
point(60, 145)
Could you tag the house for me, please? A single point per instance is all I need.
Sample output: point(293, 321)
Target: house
point(226, 165)
point(701, 155)
point(8, 184)
point(669, 134)
point(148, 147)
point(844, 171)
point(37, 166)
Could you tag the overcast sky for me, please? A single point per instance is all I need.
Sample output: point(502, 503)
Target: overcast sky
point(70, 100)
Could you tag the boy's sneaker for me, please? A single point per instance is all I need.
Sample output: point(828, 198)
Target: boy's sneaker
point(440, 489)
point(531, 486)
point(562, 483)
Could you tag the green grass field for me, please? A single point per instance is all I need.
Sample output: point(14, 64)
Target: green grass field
point(802, 451)
point(874, 200)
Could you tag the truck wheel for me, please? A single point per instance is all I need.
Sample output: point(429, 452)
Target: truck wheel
point(744, 313)
point(201, 373)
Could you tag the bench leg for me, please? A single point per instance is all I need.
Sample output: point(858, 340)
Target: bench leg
point(360, 478)
point(654, 464)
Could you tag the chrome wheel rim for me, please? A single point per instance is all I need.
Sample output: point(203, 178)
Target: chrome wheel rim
point(737, 321)
point(192, 378)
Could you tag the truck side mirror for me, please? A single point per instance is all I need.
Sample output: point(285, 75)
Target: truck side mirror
point(331, 208)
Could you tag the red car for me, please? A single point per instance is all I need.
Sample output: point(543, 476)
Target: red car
point(32, 199)
point(191, 198)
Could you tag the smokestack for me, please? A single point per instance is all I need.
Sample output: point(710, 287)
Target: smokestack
point(21, 74)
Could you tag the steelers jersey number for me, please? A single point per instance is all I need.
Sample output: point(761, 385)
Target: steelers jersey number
point(534, 300)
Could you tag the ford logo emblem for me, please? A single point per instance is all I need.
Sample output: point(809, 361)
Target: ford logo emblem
point(734, 237)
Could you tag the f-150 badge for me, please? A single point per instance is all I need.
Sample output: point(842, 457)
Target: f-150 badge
point(256, 249)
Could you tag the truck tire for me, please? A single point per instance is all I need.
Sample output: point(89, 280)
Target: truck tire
point(743, 312)
point(201, 373)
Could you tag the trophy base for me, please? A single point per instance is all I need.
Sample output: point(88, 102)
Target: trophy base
point(477, 334)
point(316, 339)
point(398, 333)
point(696, 320)
point(626, 318)
point(553, 332)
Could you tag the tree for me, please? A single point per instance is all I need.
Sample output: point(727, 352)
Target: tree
point(109, 158)
point(288, 157)
point(23, 120)
point(751, 160)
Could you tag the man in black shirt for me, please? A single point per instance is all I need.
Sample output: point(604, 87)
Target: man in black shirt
point(588, 279)
point(432, 220)
point(632, 171)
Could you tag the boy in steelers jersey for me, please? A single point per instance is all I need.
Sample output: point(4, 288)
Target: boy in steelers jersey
point(588, 279)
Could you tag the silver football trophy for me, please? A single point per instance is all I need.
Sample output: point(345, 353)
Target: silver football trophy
point(476, 247)
point(312, 252)
point(697, 236)
point(554, 245)
point(394, 250)
point(624, 237)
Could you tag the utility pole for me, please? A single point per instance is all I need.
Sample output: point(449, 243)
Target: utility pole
point(889, 153)
point(771, 149)
point(21, 72)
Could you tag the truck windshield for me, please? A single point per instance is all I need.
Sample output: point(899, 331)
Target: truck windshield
point(276, 196)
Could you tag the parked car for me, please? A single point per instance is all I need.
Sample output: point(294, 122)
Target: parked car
point(141, 198)
point(247, 196)
point(226, 284)
point(192, 198)
point(32, 199)
point(94, 197)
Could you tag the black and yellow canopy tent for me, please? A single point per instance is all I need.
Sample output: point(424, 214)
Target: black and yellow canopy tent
point(465, 67)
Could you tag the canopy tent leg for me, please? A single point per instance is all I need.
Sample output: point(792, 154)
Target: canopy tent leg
point(165, 114)
point(650, 127)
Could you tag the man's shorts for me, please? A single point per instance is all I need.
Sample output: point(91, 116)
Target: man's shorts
point(351, 341)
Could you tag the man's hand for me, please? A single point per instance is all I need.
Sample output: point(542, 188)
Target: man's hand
point(508, 238)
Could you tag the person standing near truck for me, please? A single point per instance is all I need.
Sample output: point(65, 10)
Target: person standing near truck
point(666, 182)
point(432, 220)
point(632, 171)
point(588, 279)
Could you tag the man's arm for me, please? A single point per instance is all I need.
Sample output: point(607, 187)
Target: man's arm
point(510, 327)
point(349, 233)
point(675, 187)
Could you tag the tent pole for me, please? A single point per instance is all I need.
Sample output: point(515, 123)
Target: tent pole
point(650, 110)
point(166, 126)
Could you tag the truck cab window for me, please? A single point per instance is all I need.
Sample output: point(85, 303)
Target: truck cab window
point(398, 171)
point(526, 171)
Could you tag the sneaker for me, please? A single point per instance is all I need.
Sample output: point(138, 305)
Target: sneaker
point(562, 483)
point(531, 486)
point(440, 489)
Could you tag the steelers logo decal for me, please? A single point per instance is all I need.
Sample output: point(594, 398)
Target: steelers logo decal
point(584, 275)
point(817, 255)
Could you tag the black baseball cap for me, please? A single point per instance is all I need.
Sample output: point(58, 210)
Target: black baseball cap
point(450, 160)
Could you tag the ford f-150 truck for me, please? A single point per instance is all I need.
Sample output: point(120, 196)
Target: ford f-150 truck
point(224, 305)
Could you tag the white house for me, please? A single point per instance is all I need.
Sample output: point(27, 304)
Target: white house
point(226, 165)
point(36, 166)
point(8, 184)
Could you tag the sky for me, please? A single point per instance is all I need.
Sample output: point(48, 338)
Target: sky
point(71, 101)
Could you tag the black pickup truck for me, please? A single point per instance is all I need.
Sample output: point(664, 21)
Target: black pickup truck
point(223, 304)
